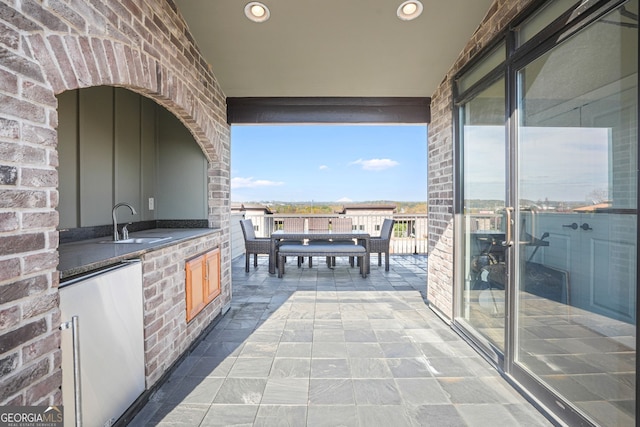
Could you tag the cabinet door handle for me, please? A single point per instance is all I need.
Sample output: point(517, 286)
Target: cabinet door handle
point(573, 226)
point(586, 227)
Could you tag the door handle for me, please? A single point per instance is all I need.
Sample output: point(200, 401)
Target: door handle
point(586, 227)
point(573, 226)
point(77, 388)
point(533, 226)
point(508, 235)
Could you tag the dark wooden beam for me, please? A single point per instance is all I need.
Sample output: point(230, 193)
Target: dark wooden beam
point(326, 110)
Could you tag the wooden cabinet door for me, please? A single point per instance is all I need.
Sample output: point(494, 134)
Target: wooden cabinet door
point(212, 275)
point(202, 281)
point(195, 283)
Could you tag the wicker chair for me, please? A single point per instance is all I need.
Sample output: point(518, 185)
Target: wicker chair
point(252, 244)
point(381, 244)
point(342, 225)
point(318, 224)
point(294, 225)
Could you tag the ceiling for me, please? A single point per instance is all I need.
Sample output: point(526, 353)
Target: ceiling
point(331, 48)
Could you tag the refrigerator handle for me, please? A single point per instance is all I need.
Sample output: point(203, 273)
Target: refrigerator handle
point(75, 337)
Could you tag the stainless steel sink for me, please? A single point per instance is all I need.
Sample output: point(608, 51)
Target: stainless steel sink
point(137, 240)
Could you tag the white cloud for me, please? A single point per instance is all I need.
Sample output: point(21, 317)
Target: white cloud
point(375, 164)
point(323, 167)
point(344, 200)
point(253, 183)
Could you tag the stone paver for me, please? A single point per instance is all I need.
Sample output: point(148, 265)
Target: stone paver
point(325, 347)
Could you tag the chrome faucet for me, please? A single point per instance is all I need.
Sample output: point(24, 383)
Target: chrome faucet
point(116, 236)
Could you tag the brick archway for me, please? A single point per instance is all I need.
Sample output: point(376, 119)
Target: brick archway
point(74, 62)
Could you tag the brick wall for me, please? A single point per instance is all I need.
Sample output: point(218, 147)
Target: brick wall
point(47, 47)
point(166, 332)
point(440, 274)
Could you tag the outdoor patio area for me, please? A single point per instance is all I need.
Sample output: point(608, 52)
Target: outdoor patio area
point(325, 347)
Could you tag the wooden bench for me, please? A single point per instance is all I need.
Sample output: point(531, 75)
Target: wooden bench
point(324, 249)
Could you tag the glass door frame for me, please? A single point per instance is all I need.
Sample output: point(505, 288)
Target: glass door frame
point(488, 349)
point(517, 58)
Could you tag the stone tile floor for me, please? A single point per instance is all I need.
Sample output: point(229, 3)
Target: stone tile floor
point(325, 347)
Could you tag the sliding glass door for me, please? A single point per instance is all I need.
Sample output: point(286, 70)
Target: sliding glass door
point(576, 186)
point(547, 233)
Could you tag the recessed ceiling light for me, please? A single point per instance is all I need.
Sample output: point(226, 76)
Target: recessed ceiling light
point(256, 11)
point(409, 10)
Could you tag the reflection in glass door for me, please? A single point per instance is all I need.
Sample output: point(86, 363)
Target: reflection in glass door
point(483, 162)
point(575, 284)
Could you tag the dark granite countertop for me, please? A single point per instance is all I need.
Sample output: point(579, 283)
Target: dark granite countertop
point(88, 255)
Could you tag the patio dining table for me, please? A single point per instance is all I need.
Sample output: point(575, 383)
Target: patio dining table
point(279, 235)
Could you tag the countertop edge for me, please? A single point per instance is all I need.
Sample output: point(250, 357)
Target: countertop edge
point(79, 258)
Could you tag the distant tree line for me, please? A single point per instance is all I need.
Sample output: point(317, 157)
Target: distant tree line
point(301, 208)
point(331, 208)
point(412, 207)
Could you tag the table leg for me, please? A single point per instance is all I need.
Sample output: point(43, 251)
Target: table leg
point(367, 255)
point(272, 256)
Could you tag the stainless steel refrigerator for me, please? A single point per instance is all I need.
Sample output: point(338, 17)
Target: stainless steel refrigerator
point(109, 311)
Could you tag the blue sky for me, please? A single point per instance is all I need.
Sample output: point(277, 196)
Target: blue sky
point(324, 163)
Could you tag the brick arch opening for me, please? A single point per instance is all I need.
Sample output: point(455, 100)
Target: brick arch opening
point(75, 62)
point(209, 142)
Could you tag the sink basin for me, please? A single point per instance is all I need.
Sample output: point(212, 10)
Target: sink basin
point(137, 240)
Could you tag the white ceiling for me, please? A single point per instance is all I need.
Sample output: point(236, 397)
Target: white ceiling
point(332, 48)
